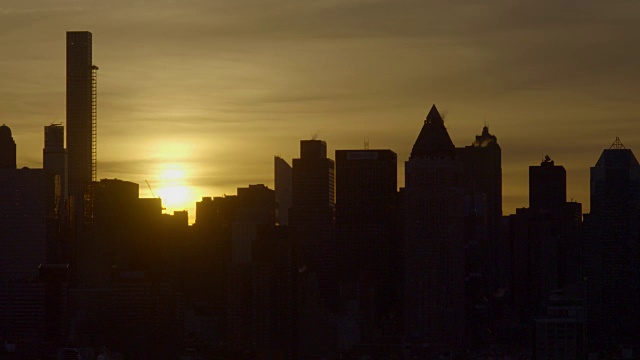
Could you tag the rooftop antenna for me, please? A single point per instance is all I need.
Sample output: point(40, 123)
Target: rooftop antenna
point(366, 143)
point(617, 144)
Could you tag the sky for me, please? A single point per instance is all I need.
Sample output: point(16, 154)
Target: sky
point(196, 97)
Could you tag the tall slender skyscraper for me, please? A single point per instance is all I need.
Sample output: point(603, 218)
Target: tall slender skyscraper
point(81, 113)
point(485, 255)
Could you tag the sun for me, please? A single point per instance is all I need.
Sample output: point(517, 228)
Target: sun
point(174, 197)
point(171, 186)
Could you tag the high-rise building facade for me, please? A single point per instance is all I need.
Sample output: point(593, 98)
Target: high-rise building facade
point(547, 185)
point(249, 298)
point(26, 213)
point(545, 242)
point(485, 255)
point(612, 249)
point(313, 201)
point(433, 251)
point(283, 187)
point(54, 156)
point(7, 149)
point(81, 112)
point(367, 244)
point(311, 221)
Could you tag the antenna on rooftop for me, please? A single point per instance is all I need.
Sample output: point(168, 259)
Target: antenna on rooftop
point(617, 144)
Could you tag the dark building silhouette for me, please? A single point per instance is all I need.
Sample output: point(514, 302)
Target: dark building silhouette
point(367, 244)
point(109, 234)
point(284, 188)
point(485, 253)
point(240, 277)
point(7, 149)
point(124, 295)
point(312, 211)
point(559, 332)
point(483, 174)
point(546, 250)
point(205, 277)
point(54, 157)
point(311, 221)
point(547, 185)
point(27, 212)
point(612, 250)
point(275, 275)
point(55, 278)
point(249, 305)
point(549, 197)
point(27, 224)
point(434, 264)
point(545, 243)
point(23, 316)
point(81, 114)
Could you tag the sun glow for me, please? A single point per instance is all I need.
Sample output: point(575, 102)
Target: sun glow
point(174, 197)
point(171, 187)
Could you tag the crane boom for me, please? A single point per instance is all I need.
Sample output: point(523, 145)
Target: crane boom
point(151, 190)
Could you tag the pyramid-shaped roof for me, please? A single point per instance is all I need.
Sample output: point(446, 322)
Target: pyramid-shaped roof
point(434, 139)
point(617, 158)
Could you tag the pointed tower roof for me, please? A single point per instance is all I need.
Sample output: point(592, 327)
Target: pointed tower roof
point(434, 115)
point(434, 139)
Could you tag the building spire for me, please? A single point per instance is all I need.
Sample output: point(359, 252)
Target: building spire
point(433, 139)
point(434, 117)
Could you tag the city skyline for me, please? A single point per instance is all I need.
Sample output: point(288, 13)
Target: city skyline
point(180, 110)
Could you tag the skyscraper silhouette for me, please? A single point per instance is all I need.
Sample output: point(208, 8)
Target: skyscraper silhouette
point(545, 242)
point(81, 111)
point(26, 213)
point(311, 221)
point(547, 185)
point(433, 218)
point(54, 155)
point(283, 186)
point(612, 248)
point(484, 250)
point(313, 203)
point(367, 245)
point(7, 149)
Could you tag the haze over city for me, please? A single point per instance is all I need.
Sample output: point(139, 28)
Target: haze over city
point(197, 96)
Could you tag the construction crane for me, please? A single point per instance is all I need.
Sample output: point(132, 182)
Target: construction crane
point(151, 190)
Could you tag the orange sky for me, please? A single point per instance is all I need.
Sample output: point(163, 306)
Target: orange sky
point(199, 95)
